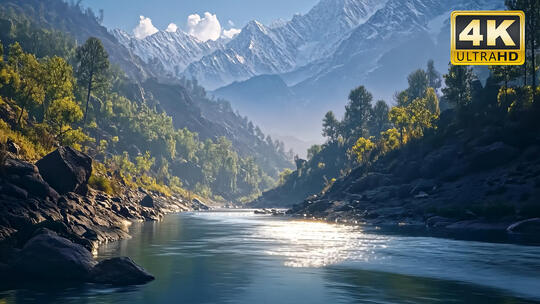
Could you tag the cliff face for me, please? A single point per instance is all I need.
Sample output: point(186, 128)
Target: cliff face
point(484, 177)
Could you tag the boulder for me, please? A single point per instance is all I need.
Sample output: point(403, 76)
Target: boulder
point(17, 167)
point(37, 186)
point(198, 205)
point(12, 147)
point(14, 191)
point(49, 256)
point(66, 170)
point(423, 185)
point(120, 271)
point(439, 160)
point(492, 156)
point(147, 201)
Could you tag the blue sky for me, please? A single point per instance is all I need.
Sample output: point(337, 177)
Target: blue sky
point(125, 14)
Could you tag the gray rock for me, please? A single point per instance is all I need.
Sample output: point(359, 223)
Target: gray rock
point(66, 170)
point(438, 221)
point(17, 167)
point(120, 271)
point(491, 156)
point(37, 186)
point(147, 201)
point(14, 191)
point(49, 256)
point(423, 185)
point(12, 147)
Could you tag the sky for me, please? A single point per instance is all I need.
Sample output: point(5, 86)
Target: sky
point(126, 14)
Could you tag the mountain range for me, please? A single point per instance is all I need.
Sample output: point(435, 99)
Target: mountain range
point(183, 100)
point(312, 61)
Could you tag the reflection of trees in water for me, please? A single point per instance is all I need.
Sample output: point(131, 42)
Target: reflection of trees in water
point(186, 265)
point(376, 287)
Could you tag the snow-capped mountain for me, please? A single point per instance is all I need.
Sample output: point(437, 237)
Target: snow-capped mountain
point(283, 46)
point(380, 52)
point(319, 56)
point(170, 52)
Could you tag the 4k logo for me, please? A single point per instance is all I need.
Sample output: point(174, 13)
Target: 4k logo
point(487, 37)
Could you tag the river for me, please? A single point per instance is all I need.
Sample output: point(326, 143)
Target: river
point(240, 257)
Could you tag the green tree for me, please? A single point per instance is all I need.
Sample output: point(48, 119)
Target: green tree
point(30, 91)
point(418, 83)
point(390, 140)
point(58, 79)
point(330, 126)
point(362, 149)
point(357, 113)
point(379, 119)
point(62, 113)
point(313, 150)
point(434, 77)
point(92, 68)
point(401, 98)
point(505, 74)
point(531, 8)
point(432, 101)
point(421, 117)
point(401, 120)
point(458, 82)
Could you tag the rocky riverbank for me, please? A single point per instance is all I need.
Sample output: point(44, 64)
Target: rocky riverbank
point(488, 180)
point(51, 221)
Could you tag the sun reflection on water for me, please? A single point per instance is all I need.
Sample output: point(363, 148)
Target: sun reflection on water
point(318, 244)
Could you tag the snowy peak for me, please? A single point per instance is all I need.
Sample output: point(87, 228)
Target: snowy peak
point(169, 52)
point(284, 46)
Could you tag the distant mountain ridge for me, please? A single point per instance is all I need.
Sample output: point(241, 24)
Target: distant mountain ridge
point(321, 55)
point(259, 49)
point(170, 52)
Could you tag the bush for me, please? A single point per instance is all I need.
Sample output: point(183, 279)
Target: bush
point(100, 183)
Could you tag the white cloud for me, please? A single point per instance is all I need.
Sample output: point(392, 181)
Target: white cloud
point(231, 23)
point(205, 28)
point(231, 33)
point(172, 28)
point(145, 28)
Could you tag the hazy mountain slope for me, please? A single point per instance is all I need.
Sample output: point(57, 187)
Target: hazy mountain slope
point(395, 40)
point(183, 100)
point(80, 25)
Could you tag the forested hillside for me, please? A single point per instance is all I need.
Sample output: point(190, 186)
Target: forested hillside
point(62, 86)
point(481, 126)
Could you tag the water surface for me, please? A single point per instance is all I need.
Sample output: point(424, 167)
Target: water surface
point(239, 257)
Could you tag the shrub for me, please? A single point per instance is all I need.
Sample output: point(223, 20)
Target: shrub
point(100, 183)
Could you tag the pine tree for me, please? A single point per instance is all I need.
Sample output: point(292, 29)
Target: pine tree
point(418, 83)
point(379, 119)
point(330, 126)
point(531, 8)
point(92, 68)
point(434, 77)
point(357, 113)
point(505, 73)
point(458, 85)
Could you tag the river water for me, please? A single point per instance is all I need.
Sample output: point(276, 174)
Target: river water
point(240, 257)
